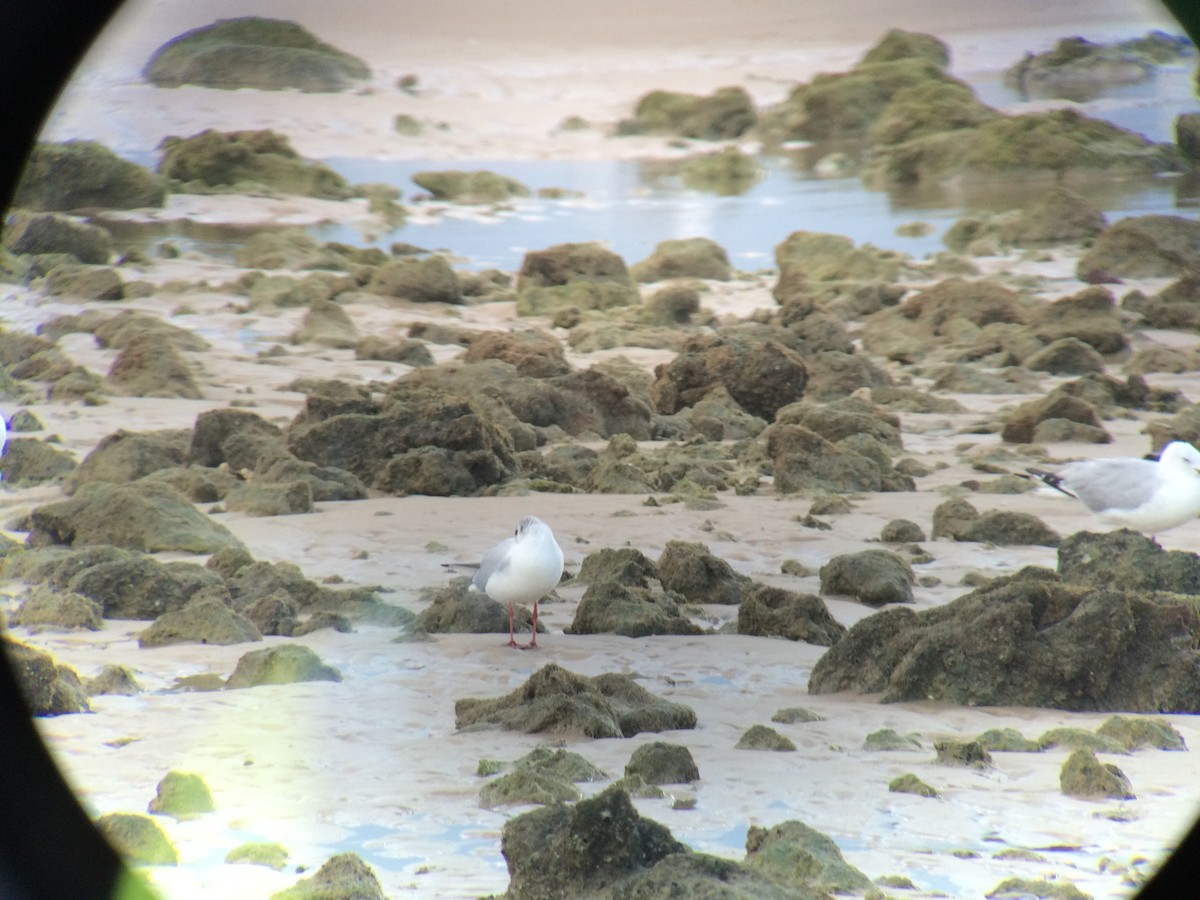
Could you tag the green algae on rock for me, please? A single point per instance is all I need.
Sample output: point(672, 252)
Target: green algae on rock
point(774, 612)
point(138, 838)
point(1084, 776)
point(888, 739)
point(259, 853)
point(480, 186)
point(556, 700)
point(182, 795)
point(281, 664)
point(697, 257)
point(204, 620)
point(725, 114)
point(873, 576)
point(85, 174)
point(30, 232)
point(342, 876)
point(582, 275)
point(46, 609)
point(909, 783)
point(802, 857)
point(763, 737)
point(253, 52)
point(1135, 732)
point(47, 687)
point(661, 762)
point(1007, 740)
point(963, 753)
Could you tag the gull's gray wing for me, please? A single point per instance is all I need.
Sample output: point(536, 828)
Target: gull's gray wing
point(1104, 484)
point(495, 560)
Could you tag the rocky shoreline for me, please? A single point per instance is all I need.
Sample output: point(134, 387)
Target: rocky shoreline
point(791, 496)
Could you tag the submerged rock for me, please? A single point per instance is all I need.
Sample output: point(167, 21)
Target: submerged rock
point(1076, 69)
point(253, 52)
point(557, 700)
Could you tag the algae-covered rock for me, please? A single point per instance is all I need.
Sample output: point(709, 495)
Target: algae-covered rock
point(327, 324)
point(84, 174)
point(774, 612)
point(697, 257)
point(1135, 732)
point(1058, 889)
point(1076, 69)
point(727, 113)
point(426, 280)
point(99, 283)
point(575, 851)
point(727, 173)
point(205, 620)
point(458, 609)
point(135, 586)
point(342, 876)
point(900, 44)
point(48, 688)
point(1127, 560)
point(661, 762)
point(1079, 739)
point(29, 232)
point(762, 375)
point(27, 461)
point(1030, 639)
point(150, 367)
point(527, 786)
point(902, 531)
point(909, 783)
point(407, 351)
point(792, 715)
point(259, 853)
point(1007, 740)
point(230, 160)
point(585, 276)
point(47, 609)
point(1057, 216)
point(611, 607)
point(182, 795)
point(262, 498)
point(1084, 776)
point(802, 857)
point(480, 186)
point(534, 353)
point(125, 456)
point(763, 737)
point(557, 700)
point(963, 753)
point(803, 460)
point(139, 516)
point(281, 664)
point(875, 577)
point(888, 739)
point(113, 679)
point(806, 259)
point(253, 52)
point(1149, 246)
point(691, 570)
point(138, 838)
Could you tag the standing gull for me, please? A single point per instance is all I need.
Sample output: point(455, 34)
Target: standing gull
point(521, 569)
point(1142, 494)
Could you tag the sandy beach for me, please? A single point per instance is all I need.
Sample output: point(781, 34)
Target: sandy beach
point(374, 764)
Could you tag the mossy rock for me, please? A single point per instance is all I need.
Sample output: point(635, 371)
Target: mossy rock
point(52, 609)
point(342, 877)
point(727, 173)
point(48, 688)
point(873, 576)
point(114, 679)
point(763, 737)
point(911, 784)
point(28, 461)
point(727, 113)
point(230, 160)
point(480, 186)
point(562, 763)
point(900, 44)
point(661, 762)
point(151, 367)
point(1084, 776)
point(800, 856)
point(204, 620)
point(582, 275)
point(428, 280)
point(30, 232)
point(887, 739)
point(259, 853)
point(252, 52)
point(1039, 888)
point(697, 257)
point(793, 715)
point(138, 838)
point(1135, 732)
point(98, 283)
point(1007, 740)
point(963, 753)
point(182, 795)
point(527, 786)
point(283, 664)
point(84, 174)
point(1080, 739)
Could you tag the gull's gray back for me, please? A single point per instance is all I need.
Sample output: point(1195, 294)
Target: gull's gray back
point(1112, 483)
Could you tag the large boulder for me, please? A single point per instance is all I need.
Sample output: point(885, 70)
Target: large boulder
point(1032, 639)
point(84, 174)
point(252, 52)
